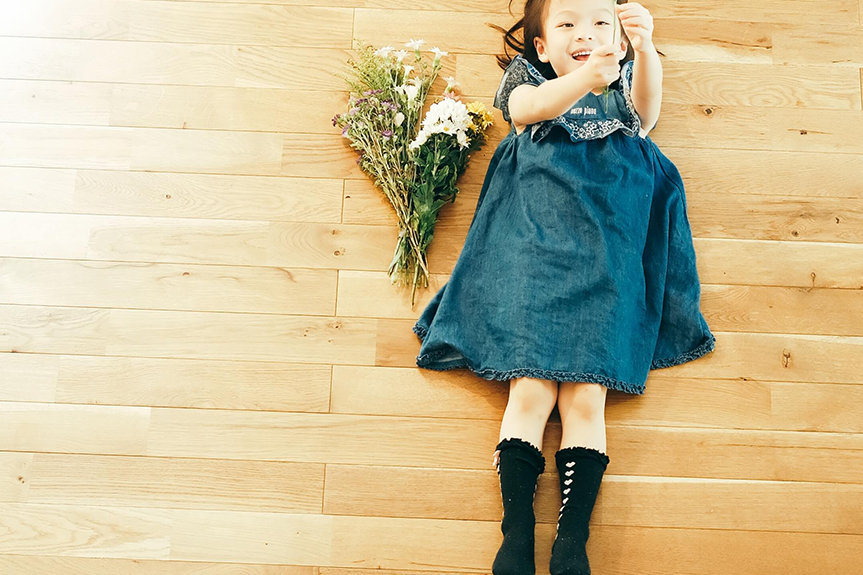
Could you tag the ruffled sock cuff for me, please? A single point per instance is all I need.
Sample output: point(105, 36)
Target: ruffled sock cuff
point(570, 453)
point(516, 442)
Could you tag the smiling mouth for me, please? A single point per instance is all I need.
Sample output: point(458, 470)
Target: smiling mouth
point(581, 57)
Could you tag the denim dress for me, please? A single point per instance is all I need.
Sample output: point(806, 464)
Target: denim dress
point(579, 263)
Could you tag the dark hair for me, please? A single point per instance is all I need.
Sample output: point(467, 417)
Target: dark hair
point(531, 24)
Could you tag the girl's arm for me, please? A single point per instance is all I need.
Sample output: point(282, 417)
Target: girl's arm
point(646, 92)
point(531, 104)
point(647, 86)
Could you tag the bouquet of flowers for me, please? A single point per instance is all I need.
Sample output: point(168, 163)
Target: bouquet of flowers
point(415, 166)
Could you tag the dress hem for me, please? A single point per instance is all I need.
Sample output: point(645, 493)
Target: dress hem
point(425, 360)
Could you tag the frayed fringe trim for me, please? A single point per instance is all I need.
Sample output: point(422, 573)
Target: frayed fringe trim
point(568, 453)
point(425, 361)
point(518, 442)
point(703, 349)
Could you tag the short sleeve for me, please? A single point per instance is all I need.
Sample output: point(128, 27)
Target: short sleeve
point(626, 84)
point(516, 74)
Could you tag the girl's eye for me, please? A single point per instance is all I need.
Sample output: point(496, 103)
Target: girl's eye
point(600, 22)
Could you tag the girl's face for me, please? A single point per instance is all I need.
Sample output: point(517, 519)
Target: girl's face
point(573, 25)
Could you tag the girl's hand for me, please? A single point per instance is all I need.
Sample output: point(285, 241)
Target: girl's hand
point(603, 65)
point(638, 25)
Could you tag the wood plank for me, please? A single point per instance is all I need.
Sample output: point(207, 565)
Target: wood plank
point(96, 19)
point(669, 401)
point(219, 108)
point(178, 240)
point(800, 264)
point(250, 24)
point(54, 102)
point(722, 171)
point(408, 392)
point(791, 130)
point(390, 546)
point(205, 196)
point(793, 11)
point(443, 443)
point(167, 286)
point(39, 145)
point(175, 483)
point(362, 491)
point(681, 37)
point(248, 153)
point(174, 63)
point(37, 189)
point(49, 565)
point(165, 382)
point(85, 531)
point(15, 473)
point(379, 543)
point(74, 428)
point(805, 44)
point(78, 530)
point(255, 537)
point(266, 109)
point(190, 335)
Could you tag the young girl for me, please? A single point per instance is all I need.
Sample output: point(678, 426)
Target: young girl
point(578, 272)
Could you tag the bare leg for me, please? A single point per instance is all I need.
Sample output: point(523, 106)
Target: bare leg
point(582, 413)
point(530, 404)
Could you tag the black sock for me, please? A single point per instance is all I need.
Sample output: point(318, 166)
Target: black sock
point(581, 470)
point(519, 466)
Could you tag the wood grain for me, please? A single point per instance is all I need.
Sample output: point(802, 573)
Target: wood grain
point(205, 370)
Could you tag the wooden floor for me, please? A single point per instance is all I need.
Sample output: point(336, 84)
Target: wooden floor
point(205, 370)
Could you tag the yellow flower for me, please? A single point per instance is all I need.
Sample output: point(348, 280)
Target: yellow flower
point(484, 116)
point(476, 107)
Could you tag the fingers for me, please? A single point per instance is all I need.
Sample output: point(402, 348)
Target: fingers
point(607, 50)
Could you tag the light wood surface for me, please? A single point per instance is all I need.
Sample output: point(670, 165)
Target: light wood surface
point(204, 369)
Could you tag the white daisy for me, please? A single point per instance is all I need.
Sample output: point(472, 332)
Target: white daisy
point(384, 52)
point(438, 53)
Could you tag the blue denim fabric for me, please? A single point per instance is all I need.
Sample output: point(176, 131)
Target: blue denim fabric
point(579, 263)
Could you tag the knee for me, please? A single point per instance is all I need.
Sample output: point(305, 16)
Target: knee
point(588, 401)
point(533, 396)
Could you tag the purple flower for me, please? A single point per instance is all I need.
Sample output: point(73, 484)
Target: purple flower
point(345, 130)
point(336, 119)
point(387, 134)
